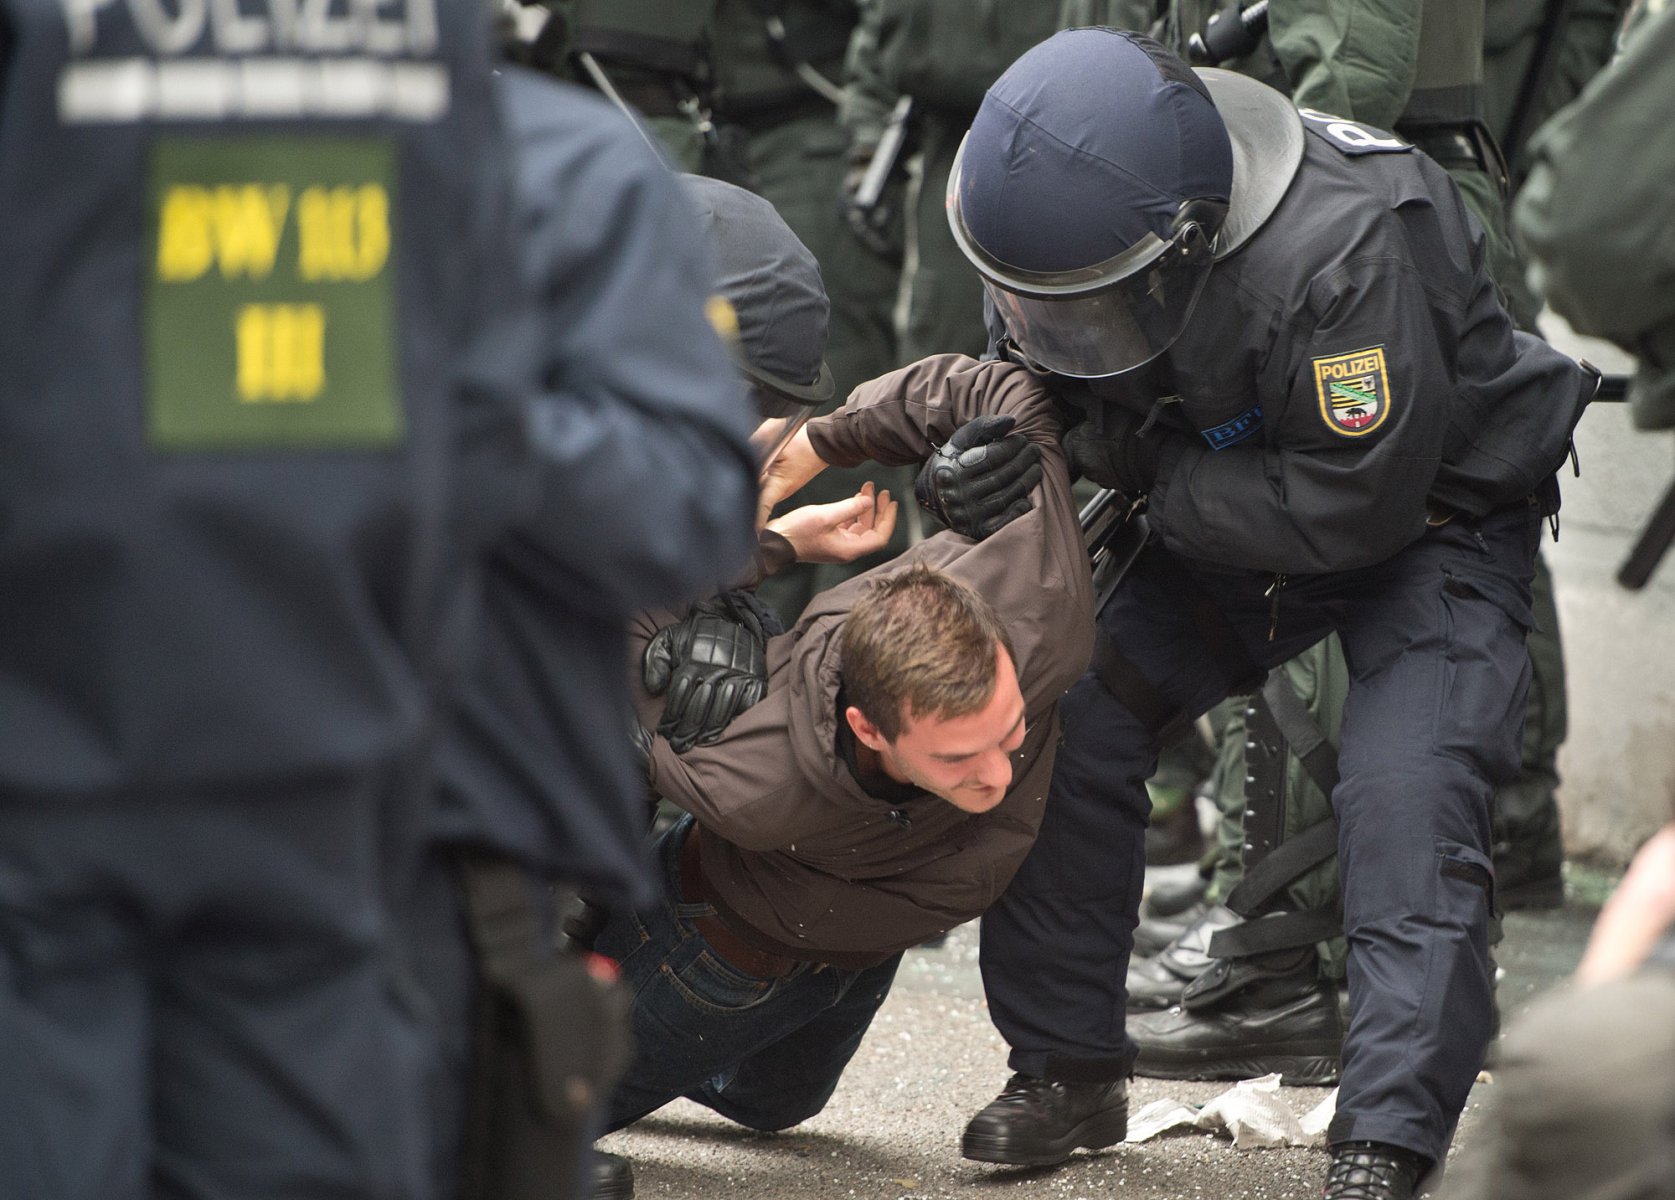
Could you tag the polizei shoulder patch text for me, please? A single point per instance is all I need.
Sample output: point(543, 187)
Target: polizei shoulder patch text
point(1354, 391)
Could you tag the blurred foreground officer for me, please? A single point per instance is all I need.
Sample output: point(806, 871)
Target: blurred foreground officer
point(648, 496)
point(242, 253)
point(1594, 214)
point(1282, 332)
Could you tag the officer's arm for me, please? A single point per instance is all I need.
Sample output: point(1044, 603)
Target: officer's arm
point(1350, 58)
point(1595, 213)
point(1354, 423)
point(649, 485)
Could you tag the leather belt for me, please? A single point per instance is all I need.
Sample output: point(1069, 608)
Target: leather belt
point(723, 942)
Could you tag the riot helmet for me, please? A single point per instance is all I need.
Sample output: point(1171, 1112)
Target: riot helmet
point(770, 291)
point(1093, 195)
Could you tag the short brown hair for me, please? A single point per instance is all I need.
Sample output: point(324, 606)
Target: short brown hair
point(920, 643)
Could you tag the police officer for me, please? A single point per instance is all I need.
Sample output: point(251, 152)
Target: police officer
point(245, 248)
point(649, 496)
point(1282, 334)
point(1424, 76)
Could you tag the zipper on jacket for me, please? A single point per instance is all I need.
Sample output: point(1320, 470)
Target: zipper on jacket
point(1273, 594)
point(899, 817)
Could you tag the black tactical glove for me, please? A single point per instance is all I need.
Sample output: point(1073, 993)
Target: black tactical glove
point(1107, 449)
point(640, 738)
point(981, 478)
point(710, 668)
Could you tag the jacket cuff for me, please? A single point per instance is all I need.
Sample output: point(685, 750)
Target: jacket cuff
point(830, 441)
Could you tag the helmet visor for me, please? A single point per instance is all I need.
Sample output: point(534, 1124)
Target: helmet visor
point(1099, 320)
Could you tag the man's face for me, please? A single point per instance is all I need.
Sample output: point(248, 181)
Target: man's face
point(966, 760)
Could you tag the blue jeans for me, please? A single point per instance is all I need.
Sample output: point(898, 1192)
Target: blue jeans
point(766, 1053)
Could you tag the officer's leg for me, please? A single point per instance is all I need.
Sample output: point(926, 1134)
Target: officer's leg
point(788, 1082)
point(1529, 849)
point(1055, 947)
point(288, 1064)
point(1435, 644)
point(75, 1017)
point(1263, 1009)
point(695, 1017)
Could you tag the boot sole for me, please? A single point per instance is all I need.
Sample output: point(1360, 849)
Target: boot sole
point(1104, 1128)
point(1300, 1066)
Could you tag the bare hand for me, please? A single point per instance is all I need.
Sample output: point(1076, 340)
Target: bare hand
point(1636, 916)
point(791, 468)
point(842, 531)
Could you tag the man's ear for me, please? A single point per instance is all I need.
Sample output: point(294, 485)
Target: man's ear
point(865, 731)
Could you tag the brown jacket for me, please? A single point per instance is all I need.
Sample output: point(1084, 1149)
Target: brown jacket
point(800, 860)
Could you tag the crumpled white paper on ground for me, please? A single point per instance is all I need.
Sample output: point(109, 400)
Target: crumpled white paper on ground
point(1250, 1112)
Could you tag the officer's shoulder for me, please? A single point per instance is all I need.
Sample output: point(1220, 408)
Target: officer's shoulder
point(1353, 139)
point(539, 108)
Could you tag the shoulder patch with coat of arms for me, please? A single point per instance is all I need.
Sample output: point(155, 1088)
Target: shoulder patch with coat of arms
point(1354, 391)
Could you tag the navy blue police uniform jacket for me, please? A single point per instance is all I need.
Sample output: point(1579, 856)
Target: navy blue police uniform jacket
point(1349, 373)
point(245, 250)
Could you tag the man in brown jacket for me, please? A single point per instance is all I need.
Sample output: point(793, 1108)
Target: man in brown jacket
point(884, 789)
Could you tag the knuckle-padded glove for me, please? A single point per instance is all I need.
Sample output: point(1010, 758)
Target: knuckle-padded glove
point(709, 668)
point(1111, 452)
point(981, 478)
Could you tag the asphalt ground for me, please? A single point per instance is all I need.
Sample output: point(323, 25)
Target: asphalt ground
point(932, 1059)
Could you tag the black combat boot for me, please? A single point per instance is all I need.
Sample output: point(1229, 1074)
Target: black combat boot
point(1158, 982)
point(1371, 1171)
point(1289, 1024)
point(1153, 933)
point(613, 1177)
point(1038, 1122)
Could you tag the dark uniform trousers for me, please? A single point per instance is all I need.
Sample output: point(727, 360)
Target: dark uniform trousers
point(1434, 638)
point(196, 999)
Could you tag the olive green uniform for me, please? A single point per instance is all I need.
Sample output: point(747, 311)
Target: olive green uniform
point(1595, 213)
point(945, 54)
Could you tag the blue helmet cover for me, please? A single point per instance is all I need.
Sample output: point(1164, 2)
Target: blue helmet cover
point(1086, 144)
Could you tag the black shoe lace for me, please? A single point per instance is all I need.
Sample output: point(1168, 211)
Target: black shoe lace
point(1369, 1171)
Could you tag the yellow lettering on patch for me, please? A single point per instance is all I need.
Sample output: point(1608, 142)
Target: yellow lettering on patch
point(249, 220)
point(1353, 391)
point(281, 352)
point(343, 233)
point(184, 247)
point(235, 226)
